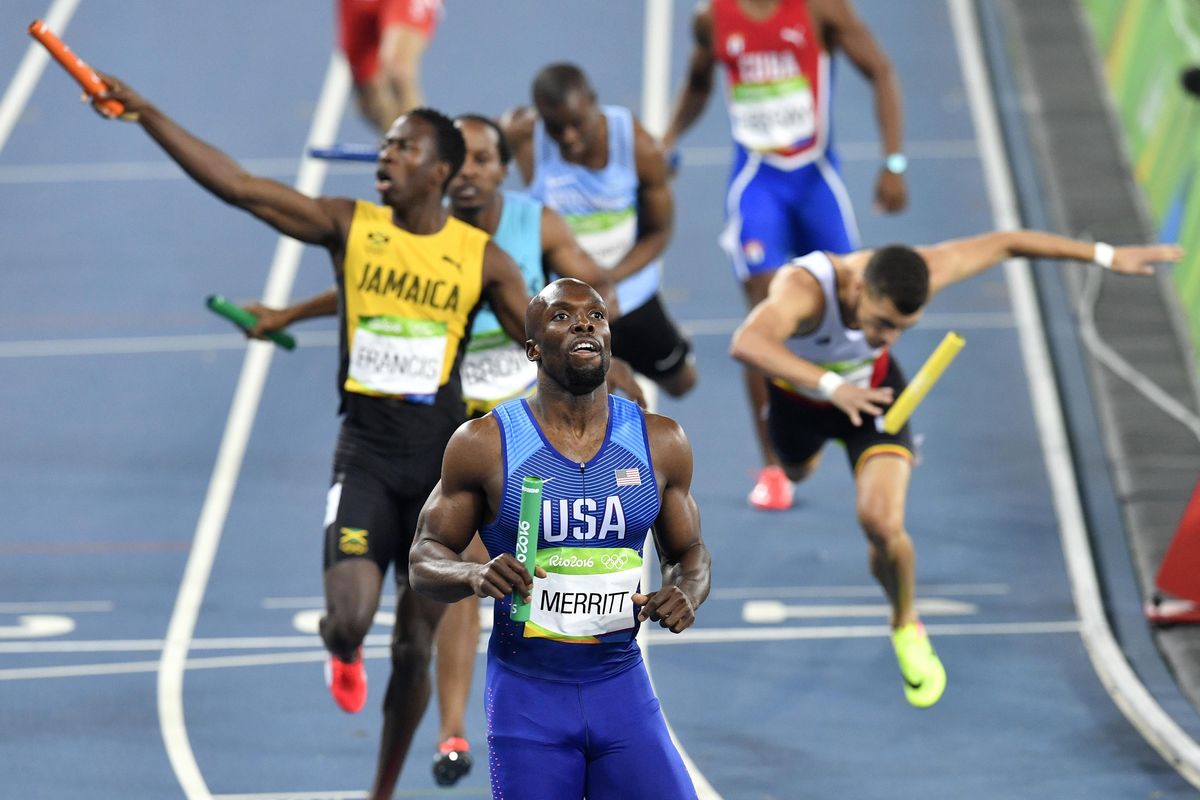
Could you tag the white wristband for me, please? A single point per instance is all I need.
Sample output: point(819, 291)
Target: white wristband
point(1103, 255)
point(829, 384)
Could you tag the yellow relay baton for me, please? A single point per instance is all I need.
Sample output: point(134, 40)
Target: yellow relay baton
point(922, 382)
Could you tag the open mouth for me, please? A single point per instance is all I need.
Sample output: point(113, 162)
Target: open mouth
point(585, 347)
point(382, 181)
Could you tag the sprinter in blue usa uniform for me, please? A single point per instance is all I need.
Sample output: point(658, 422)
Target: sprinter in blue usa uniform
point(570, 709)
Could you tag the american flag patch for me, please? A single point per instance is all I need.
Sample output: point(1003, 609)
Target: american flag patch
point(628, 477)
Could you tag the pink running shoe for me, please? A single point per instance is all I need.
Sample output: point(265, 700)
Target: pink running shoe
point(773, 492)
point(347, 682)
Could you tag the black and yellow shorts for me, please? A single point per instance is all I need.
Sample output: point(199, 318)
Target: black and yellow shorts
point(799, 427)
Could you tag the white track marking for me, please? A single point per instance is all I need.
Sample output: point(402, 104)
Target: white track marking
point(309, 649)
point(773, 612)
point(162, 170)
point(207, 538)
point(200, 343)
point(656, 82)
point(57, 607)
point(1139, 707)
point(30, 70)
point(873, 590)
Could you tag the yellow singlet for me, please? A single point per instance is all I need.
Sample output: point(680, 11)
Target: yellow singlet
point(407, 301)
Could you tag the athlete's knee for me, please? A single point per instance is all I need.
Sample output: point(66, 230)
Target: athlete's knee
point(343, 630)
point(880, 520)
point(412, 653)
point(797, 471)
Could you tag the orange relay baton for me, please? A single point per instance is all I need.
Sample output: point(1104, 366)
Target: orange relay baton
point(76, 66)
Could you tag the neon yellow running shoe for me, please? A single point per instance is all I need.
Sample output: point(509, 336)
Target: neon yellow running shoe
point(924, 675)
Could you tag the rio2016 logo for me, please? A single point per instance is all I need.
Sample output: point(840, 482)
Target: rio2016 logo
point(523, 541)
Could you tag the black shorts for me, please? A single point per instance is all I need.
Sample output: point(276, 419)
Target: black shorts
point(648, 339)
point(799, 427)
point(375, 497)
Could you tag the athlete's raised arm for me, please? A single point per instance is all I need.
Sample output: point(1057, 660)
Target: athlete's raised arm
point(698, 85)
point(686, 563)
point(952, 261)
point(456, 508)
point(319, 220)
point(847, 31)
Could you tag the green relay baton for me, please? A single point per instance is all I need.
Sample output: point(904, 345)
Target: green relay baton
point(527, 538)
point(245, 320)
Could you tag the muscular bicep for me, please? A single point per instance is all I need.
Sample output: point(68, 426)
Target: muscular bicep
point(655, 203)
point(457, 506)
point(313, 220)
point(677, 529)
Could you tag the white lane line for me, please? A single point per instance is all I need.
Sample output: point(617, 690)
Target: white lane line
point(163, 170)
point(29, 72)
point(199, 343)
point(783, 592)
point(160, 170)
point(310, 649)
point(742, 635)
point(140, 345)
point(773, 612)
point(207, 538)
point(1126, 690)
point(656, 83)
point(57, 607)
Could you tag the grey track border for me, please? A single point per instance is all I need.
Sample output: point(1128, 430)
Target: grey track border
point(1136, 465)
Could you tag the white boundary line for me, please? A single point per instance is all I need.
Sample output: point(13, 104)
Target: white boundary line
point(656, 83)
point(203, 342)
point(30, 70)
point(307, 649)
point(207, 538)
point(1119, 680)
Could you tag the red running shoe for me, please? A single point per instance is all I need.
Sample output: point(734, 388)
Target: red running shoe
point(347, 682)
point(773, 492)
point(453, 760)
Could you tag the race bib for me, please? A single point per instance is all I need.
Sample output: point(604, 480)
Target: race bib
point(397, 356)
point(495, 368)
point(772, 116)
point(606, 236)
point(587, 592)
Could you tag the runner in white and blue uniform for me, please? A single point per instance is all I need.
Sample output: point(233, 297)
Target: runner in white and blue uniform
point(599, 168)
point(571, 713)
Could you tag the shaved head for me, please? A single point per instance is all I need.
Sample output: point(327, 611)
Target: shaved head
point(536, 310)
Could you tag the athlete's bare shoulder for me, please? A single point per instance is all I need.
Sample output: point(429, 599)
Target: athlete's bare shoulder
point(669, 445)
point(473, 451)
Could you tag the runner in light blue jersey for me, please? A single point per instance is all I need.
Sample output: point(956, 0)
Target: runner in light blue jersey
point(600, 169)
point(571, 713)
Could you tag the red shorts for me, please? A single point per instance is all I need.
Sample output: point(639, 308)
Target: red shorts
point(362, 23)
